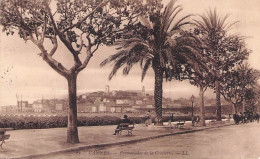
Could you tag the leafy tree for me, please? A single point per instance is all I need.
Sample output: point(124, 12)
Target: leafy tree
point(224, 50)
point(203, 81)
point(252, 97)
point(239, 85)
point(82, 26)
point(157, 41)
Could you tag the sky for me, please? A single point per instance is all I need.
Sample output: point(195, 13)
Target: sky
point(24, 74)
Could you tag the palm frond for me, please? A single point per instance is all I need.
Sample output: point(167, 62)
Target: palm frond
point(201, 25)
point(175, 32)
point(144, 21)
point(146, 67)
point(170, 41)
point(212, 17)
point(117, 66)
point(222, 21)
point(170, 56)
point(178, 27)
point(173, 16)
point(206, 21)
point(231, 25)
point(169, 9)
point(193, 63)
point(127, 68)
point(180, 22)
point(113, 57)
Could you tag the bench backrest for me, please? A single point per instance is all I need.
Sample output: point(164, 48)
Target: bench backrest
point(2, 131)
point(124, 124)
point(4, 137)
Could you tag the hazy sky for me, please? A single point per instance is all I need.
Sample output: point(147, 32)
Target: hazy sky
point(22, 71)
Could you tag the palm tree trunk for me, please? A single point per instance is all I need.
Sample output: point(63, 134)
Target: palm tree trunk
point(72, 130)
point(202, 108)
point(158, 91)
point(218, 100)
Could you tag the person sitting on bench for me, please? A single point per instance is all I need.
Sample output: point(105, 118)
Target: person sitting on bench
point(125, 120)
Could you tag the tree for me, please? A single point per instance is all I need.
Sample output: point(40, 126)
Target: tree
point(224, 49)
point(252, 96)
point(82, 26)
point(157, 41)
point(203, 81)
point(239, 85)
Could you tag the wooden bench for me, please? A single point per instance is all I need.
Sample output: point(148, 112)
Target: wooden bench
point(126, 127)
point(180, 124)
point(3, 136)
point(212, 122)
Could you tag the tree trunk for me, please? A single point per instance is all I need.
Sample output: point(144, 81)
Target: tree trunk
point(235, 108)
point(244, 104)
point(158, 91)
point(72, 130)
point(202, 109)
point(218, 102)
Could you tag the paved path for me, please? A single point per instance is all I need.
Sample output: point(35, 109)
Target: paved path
point(229, 142)
point(39, 142)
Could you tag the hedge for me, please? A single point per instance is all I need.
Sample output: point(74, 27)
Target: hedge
point(43, 122)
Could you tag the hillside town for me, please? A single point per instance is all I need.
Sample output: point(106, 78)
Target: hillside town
point(115, 101)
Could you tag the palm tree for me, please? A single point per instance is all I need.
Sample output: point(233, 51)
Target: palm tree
point(214, 30)
point(157, 42)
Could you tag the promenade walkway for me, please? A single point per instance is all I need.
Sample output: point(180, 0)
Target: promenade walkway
point(33, 143)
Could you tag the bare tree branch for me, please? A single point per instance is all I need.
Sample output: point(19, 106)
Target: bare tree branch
point(58, 67)
point(89, 55)
point(61, 35)
point(43, 30)
point(55, 46)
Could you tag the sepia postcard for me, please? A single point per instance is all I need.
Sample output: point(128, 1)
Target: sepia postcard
point(127, 79)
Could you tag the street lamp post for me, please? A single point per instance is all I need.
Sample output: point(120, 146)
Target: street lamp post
point(192, 101)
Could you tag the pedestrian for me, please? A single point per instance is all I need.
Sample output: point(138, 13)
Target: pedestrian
point(197, 120)
point(257, 117)
point(171, 117)
point(125, 120)
point(148, 118)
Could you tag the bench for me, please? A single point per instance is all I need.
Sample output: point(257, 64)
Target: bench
point(126, 127)
point(180, 124)
point(212, 122)
point(3, 136)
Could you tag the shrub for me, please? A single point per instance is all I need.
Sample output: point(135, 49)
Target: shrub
point(43, 122)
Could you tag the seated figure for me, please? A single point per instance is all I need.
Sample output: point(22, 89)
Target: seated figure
point(125, 120)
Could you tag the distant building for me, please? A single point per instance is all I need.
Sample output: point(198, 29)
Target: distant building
point(139, 102)
point(61, 105)
point(149, 106)
point(94, 109)
point(37, 106)
point(23, 106)
point(143, 91)
point(84, 107)
point(28, 108)
point(11, 108)
point(107, 89)
point(102, 107)
point(40, 106)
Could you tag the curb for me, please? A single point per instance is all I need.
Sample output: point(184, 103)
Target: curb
point(116, 143)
